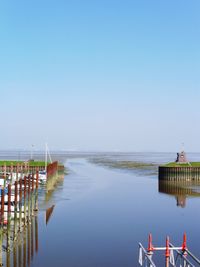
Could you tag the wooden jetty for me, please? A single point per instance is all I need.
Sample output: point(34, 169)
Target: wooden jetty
point(18, 210)
point(180, 170)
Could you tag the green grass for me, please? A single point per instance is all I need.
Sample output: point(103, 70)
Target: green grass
point(15, 162)
point(176, 164)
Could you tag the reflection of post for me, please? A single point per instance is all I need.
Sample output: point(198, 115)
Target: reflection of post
point(32, 239)
point(1, 243)
point(8, 241)
point(36, 234)
point(20, 253)
point(8, 258)
point(29, 245)
point(14, 256)
point(24, 247)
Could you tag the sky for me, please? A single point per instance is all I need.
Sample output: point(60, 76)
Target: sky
point(103, 75)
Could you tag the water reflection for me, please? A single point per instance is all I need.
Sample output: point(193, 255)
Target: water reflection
point(18, 248)
point(180, 189)
point(49, 212)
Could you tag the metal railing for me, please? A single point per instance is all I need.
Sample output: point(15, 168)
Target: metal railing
point(174, 256)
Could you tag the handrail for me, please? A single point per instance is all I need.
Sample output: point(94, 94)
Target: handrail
point(147, 256)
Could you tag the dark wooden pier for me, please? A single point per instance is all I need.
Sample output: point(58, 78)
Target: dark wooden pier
point(181, 173)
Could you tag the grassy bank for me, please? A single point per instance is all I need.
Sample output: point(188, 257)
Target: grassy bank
point(15, 162)
point(176, 164)
point(8, 163)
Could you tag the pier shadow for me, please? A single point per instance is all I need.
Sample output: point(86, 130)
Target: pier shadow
point(181, 190)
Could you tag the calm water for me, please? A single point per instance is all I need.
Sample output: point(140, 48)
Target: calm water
point(101, 214)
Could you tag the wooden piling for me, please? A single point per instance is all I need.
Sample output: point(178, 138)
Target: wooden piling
point(2, 206)
point(9, 199)
point(16, 193)
point(37, 178)
point(20, 189)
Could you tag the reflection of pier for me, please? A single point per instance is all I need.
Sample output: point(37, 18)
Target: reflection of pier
point(180, 189)
point(20, 247)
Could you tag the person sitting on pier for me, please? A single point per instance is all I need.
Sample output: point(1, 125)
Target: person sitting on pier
point(181, 157)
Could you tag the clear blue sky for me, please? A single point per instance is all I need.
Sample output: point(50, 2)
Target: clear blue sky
point(100, 75)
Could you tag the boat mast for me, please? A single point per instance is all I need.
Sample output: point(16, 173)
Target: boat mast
point(47, 153)
point(46, 157)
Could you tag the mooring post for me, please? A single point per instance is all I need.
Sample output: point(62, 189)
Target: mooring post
point(2, 206)
point(20, 189)
point(15, 210)
point(16, 194)
point(29, 184)
point(9, 200)
point(11, 171)
point(32, 179)
point(37, 178)
point(29, 199)
point(20, 203)
point(1, 227)
point(25, 188)
point(167, 252)
point(32, 194)
point(17, 173)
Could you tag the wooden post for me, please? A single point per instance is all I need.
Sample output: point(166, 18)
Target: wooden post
point(25, 186)
point(32, 178)
point(37, 178)
point(16, 192)
point(11, 171)
point(20, 189)
point(29, 184)
point(9, 199)
point(17, 173)
point(2, 206)
point(25, 180)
